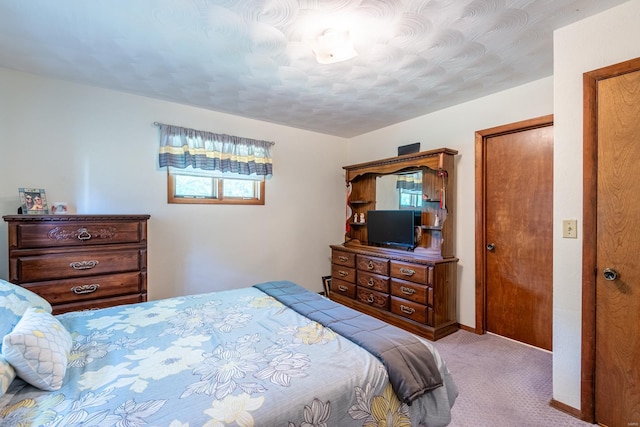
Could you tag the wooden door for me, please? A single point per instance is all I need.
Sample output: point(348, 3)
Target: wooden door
point(617, 364)
point(516, 232)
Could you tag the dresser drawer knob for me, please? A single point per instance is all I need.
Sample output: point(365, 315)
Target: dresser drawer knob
point(370, 299)
point(343, 273)
point(407, 291)
point(407, 310)
point(342, 288)
point(85, 289)
point(371, 282)
point(407, 271)
point(83, 234)
point(83, 265)
point(370, 266)
point(343, 258)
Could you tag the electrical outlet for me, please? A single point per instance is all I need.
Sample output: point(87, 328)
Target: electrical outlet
point(570, 228)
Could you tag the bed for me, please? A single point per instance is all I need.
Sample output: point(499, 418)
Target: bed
point(252, 356)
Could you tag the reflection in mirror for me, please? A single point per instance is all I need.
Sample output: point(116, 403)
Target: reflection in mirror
point(399, 191)
point(387, 197)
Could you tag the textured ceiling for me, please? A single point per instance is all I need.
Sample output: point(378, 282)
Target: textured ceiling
point(253, 58)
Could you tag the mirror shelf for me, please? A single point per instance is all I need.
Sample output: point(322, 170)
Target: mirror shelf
point(429, 175)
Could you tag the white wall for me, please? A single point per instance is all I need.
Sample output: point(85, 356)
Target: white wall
point(602, 40)
point(455, 128)
point(97, 150)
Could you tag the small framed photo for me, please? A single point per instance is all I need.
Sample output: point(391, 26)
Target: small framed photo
point(326, 283)
point(33, 201)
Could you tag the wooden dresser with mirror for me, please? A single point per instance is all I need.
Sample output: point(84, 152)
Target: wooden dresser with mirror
point(410, 282)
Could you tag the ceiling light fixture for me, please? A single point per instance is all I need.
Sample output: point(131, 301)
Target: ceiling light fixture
point(333, 46)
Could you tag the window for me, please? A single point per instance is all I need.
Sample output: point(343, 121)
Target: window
point(208, 187)
point(410, 199)
point(211, 168)
point(409, 186)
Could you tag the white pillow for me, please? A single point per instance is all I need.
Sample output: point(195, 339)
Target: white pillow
point(7, 374)
point(38, 349)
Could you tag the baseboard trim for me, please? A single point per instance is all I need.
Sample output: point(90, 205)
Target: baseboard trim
point(568, 410)
point(467, 328)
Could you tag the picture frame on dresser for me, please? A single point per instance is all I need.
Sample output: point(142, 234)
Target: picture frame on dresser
point(33, 201)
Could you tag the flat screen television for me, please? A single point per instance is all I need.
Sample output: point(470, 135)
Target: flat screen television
point(392, 228)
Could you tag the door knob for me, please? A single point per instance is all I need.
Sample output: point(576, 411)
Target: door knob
point(610, 274)
point(491, 246)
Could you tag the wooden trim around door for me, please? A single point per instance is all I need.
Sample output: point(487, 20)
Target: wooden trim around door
point(481, 229)
point(589, 220)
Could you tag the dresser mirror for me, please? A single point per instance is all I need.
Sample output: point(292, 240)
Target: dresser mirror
point(401, 190)
point(373, 188)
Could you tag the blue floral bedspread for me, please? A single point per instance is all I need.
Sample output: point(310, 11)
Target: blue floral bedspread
point(226, 358)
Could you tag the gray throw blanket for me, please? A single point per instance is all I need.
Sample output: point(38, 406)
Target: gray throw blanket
point(411, 367)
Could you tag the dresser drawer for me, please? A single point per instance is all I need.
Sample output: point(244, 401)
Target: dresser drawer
point(343, 258)
point(411, 310)
point(101, 303)
point(343, 288)
point(68, 265)
point(373, 281)
point(414, 272)
point(63, 234)
point(344, 273)
point(373, 298)
point(86, 288)
point(422, 294)
point(373, 264)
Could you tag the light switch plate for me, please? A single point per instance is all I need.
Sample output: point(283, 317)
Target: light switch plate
point(570, 228)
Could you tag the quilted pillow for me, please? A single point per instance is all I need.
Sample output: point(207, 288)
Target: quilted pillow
point(7, 374)
point(38, 349)
point(14, 300)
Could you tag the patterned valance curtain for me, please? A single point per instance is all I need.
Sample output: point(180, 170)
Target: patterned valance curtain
point(182, 147)
point(410, 182)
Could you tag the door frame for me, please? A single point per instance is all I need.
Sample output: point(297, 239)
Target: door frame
point(589, 220)
point(481, 207)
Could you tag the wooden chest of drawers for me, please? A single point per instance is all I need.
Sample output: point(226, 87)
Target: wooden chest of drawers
point(80, 262)
point(408, 291)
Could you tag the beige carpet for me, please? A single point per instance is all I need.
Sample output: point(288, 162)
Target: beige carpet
point(501, 383)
